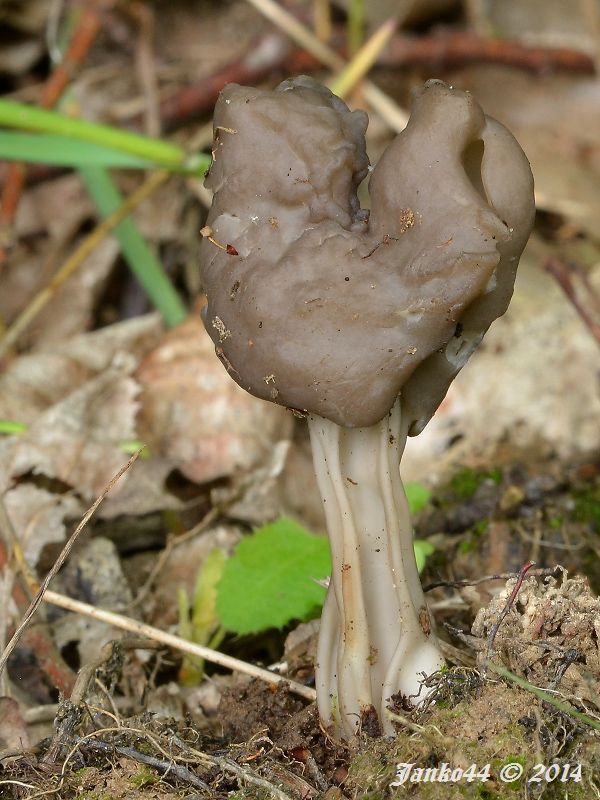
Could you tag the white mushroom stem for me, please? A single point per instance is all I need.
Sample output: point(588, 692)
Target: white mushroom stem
point(376, 637)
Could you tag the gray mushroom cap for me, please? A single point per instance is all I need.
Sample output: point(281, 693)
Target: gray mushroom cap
point(316, 305)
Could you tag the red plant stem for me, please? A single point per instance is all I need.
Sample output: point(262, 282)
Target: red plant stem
point(455, 49)
point(563, 272)
point(509, 604)
point(79, 46)
point(440, 51)
point(38, 639)
point(14, 182)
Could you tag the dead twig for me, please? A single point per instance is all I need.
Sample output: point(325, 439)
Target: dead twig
point(172, 543)
point(509, 604)
point(166, 768)
point(145, 64)
point(79, 46)
point(176, 642)
point(35, 603)
point(110, 652)
point(455, 49)
point(387, 108)
point(563, 273)
point(502, 576)
point(70, 712)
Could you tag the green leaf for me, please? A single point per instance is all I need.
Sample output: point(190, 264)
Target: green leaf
point(417, 495)
point(61, 151)
point(136, 251)
point(423, 548)
point(204, 620)
point(202, 627)
point(271, 578)
point(11, 427)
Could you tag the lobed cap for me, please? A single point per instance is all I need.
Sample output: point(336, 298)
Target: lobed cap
point(319, 305)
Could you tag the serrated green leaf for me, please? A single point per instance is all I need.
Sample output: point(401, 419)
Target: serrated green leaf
point(271, 578)
point(417, 495)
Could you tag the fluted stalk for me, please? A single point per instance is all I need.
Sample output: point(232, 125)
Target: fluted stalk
point(376, 637)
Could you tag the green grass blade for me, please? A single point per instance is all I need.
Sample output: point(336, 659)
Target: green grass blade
point(30, 118)
point(140, 258)
point(39, 120)
point(547, 697)
point(356, 21)
point(42, 148)
point(9, 427)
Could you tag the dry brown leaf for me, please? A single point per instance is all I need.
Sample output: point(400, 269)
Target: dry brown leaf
point(144, 491)
point(36, 381)
point(37, 212)
point(556, 119)
point(77, 440)
point(13, 728)
point(195, 414)
point(93, 574)
point(38, 517)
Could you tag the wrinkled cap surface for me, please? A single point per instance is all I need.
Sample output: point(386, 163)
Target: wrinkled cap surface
point(317, 305)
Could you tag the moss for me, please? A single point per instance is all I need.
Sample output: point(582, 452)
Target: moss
point(464, 484)
point(473, 536)
point(466, 481)
point(461, 736)
point(143, 777)
point(587, 507)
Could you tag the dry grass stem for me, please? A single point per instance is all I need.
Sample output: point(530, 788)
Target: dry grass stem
point(322, 15)
point(74, 261)
point(176, 642)
point(390, 111)
point(343, 83)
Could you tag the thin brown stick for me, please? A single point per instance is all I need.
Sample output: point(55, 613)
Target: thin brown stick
point(176, 642)
point(456, 49)
point(167, 768)
point(37, 637)
point(387, 108)
point(562, 273)
point(440, 51)
point(502, 576)
point(509, 604)
point(70, 711)
point(43, 297)
point(145, 65)
point(35, 603)
point(322, 19)
point(81, 42)
point(87, 672)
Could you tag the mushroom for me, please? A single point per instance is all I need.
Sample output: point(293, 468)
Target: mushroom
point(360, 321)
